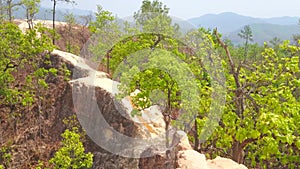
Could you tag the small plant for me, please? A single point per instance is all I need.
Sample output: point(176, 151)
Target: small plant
point(71, 154)
point(5, 156)
point(40, 165)
point(66, 72)
point(71, 122)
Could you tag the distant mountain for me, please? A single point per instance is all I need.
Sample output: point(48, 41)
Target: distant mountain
point(225, 22)
point(46, 13)
point(285, 20)
point(228, 22)
point(264, 32)
point(264, 29)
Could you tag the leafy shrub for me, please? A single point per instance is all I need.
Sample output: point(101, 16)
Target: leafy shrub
point(71, 154)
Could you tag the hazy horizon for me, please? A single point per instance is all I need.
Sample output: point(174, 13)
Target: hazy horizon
point(195, 8)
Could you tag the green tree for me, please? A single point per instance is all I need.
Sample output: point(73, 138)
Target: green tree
point(32, 8)
point(2, 11)
point(261, 111)
point(150, 10)
point(71, 154)
point(153, 17)
point(17, 51)
point(275, 42)
point(260, 124)
point(103, 18)
point(71, 23)
point(246, 34)
point(9, 6)
point(154, 63)
point(106, 32)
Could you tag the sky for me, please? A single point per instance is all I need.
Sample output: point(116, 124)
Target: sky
point(186, 9)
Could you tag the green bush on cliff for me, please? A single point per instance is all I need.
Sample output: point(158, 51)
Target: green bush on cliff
point(71, 154)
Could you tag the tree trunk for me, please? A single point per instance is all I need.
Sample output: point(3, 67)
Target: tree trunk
point(246, 49)
point(9, 10)
point(107, 63)
point(196, 136)
point(167, 119)
point(54, 6)
point(237, 152)
point(29, 20)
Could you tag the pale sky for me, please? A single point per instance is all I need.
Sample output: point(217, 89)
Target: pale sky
point(186, 9)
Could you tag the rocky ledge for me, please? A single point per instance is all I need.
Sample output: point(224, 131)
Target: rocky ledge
point(118, 140)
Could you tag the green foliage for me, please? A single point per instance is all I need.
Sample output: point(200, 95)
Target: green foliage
point(25, 70)
point(40, 165)
point(71, 122)
point(246, 34)
point(103, 18)
point(157, 77)
point(153, 17)
point(106, 33)
point(260, 117)
point(18, 51)
point(7, 8)
point(69, 18)
point(71, 154)
point(150, 10)
point(159, 65)
point(66, 72)
point(32, 8)
point(69, 28)
point(260, 123)
point(6, 156)
point(2, 12)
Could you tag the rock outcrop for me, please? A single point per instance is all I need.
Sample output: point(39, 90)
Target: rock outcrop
point(117, 139)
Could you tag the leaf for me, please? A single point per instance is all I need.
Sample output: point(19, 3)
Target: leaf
point(135, 112)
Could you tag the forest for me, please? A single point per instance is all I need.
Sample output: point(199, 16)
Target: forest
point(241, 102)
